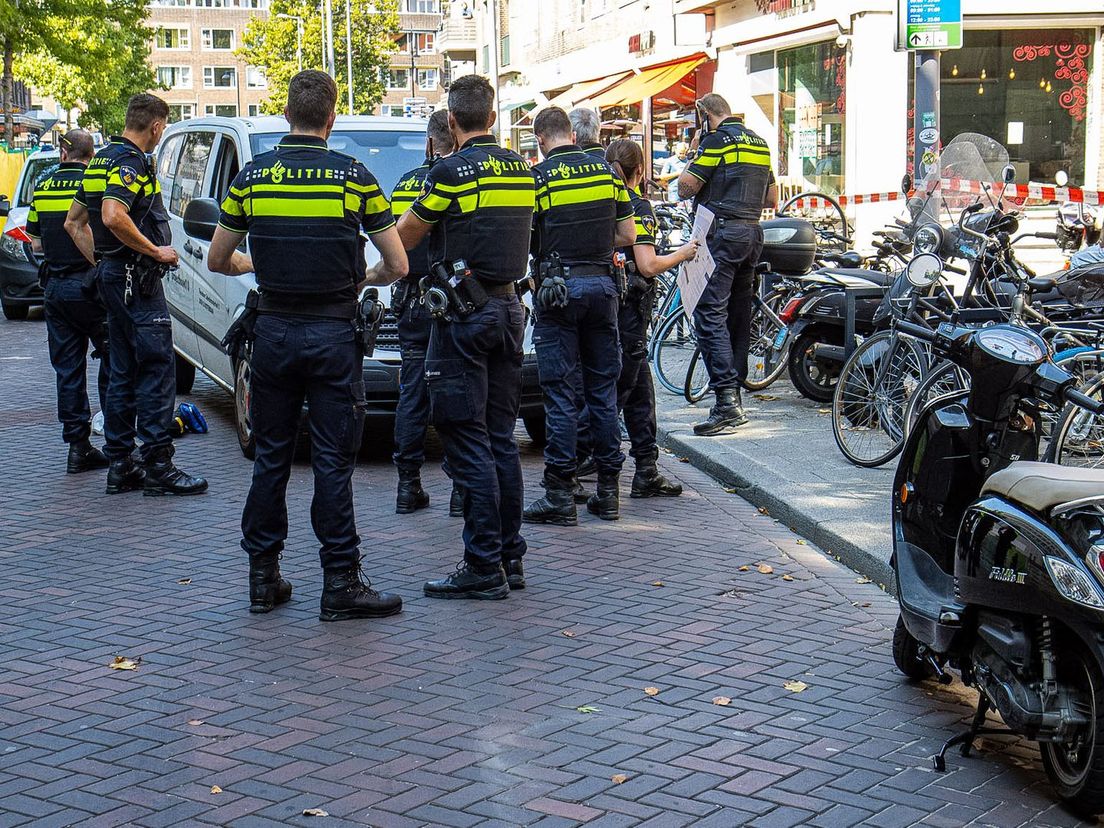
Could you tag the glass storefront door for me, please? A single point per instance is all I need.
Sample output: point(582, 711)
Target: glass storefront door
point(812, 102)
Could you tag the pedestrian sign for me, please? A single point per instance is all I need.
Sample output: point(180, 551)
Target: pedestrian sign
point(929, 24)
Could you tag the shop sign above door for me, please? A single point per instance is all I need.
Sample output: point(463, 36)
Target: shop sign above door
point(929, 24)
point(785, 8)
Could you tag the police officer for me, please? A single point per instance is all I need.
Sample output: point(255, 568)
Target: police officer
point(303, 207)
point(412, 412)
point(583, 212)
point(74, 314)
point(635, 392)
point(731, 175)
point(118, 211)
point(477, 209)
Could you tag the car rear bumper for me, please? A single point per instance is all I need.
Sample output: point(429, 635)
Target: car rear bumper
point(19, 283)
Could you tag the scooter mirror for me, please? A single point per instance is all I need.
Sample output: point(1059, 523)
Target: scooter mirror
point(924, 270)
point(906, 184)
point(1061, 178)
point(1008, 174)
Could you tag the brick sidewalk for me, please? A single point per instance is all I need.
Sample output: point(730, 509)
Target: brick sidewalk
point(453, 713)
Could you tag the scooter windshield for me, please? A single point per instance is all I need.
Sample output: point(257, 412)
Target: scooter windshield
point(969, 166)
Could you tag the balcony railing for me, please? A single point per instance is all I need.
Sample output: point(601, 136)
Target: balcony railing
point(456, 35)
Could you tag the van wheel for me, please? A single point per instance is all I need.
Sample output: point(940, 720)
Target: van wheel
point(185, 375)
point(243, 424)
point(15, 313)
point(536, 429)
point(1076, 767)
point(906, 654)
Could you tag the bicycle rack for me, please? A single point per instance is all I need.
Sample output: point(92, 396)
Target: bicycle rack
point(851, 295)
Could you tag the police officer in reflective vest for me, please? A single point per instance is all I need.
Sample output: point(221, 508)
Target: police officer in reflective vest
point(412, 412)
point(583, 213)
point(303, 207)
point(75, 316)
point(635, 392)
point(731, 175)
point(118, 211)
point(477, 209)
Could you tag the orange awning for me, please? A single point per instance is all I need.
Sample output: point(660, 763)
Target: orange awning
point(648, 83)
point(581, 92)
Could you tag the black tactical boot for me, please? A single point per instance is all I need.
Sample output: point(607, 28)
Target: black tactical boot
point(163, 478)
point(411, 496)
point(472, 582)
point(83, 456)
point(606, 503)
point(727, 413)
point(347, 595)
point(579, 492)
point(456, 502)
point(558, 504)
point(585, 466)
point(515, 572)
point(266, 588)
point(648, 482)
point(125, 475)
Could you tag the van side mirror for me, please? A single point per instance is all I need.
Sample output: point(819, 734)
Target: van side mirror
point(5, 206)
point(201, 217)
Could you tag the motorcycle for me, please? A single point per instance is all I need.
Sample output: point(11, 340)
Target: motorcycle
point(1078, 225)
point(999, 560)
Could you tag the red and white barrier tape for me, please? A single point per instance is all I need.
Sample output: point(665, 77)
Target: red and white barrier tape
point(816, 202)
point(1019, 192)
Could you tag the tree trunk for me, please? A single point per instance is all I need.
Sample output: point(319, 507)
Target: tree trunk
point(7, 102)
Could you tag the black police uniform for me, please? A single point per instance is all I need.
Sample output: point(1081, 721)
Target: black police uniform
point(414, 323)
point(141, 392)
point(579, 203)
point(735, 165)
point(303, 207)
point(75, 316)
point(479, 202)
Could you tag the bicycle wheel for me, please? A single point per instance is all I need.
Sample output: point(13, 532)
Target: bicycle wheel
point(1083, 362)
point(945, 379)
point(697, 379)
point(769, 342)
point(1079, 435)
point(875, 385)
point(826, 215)
point(672, 349)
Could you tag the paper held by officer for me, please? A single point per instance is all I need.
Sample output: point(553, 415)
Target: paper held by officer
point(694, 274)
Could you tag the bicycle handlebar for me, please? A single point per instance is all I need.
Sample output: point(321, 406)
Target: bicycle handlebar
point(1084, 401)
point(918, 331)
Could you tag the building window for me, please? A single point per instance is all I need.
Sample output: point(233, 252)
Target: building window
point(423, 42)
point(385, 109)
point(254, 110)
point(174, 77)
point(220, 77)
point(486, 58)
point(422, 6)
point(504, 50)
point(221, 110)
point(172, 3)
point(212, 4)
point(255, 79)
point(173, 39)
point(398, 79)
point(427, 79)
point(218, 39)
point(812, 107)
point(181, 112)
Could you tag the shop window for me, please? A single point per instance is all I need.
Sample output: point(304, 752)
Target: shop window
point(812, 105)
point(1027, 89)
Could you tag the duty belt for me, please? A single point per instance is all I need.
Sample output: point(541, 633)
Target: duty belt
point(570, 271)
point(498, 288)
point(343, 310)
point(723, 220)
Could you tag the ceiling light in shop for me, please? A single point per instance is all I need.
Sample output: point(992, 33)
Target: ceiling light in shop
point(1011, 74)
point(983, 74)
point(954, 71)
point(981, 89)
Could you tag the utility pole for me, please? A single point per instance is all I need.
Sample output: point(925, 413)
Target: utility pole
point(298, 37)
point(496, 50)
point(331, 67)
point(349, 51)
point(925, 120)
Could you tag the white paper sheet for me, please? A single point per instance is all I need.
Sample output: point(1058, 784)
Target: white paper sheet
point(694, 274)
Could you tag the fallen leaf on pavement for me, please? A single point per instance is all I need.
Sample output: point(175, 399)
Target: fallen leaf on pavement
point(651, 691)
point(722, 701)
point(865, 604)
point(184, 581)
point(796, 686)
point(124, 663)
point(824, 411)
point(862, 580)
point(196, 722)
point(744, 568)
point(765, 569)
point(765, 397)
point(587, 708)
point(658, 583)
point(315, 812)
point(787, 577)
point(763, 511)
point(568, 634)
point(619, 779)
point(215, 789)
point(802, 542)
point(684, 459)
point(729, 490)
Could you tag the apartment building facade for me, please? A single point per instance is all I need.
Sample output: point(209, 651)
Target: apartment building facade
point(413, 82)
point(193, 56)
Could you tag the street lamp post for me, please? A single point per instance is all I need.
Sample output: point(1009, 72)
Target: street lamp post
point(349, 51)
point(298, 36)
point(328, 11)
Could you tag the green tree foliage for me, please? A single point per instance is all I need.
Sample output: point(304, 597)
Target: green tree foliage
point(94, 53)
point(270, 45)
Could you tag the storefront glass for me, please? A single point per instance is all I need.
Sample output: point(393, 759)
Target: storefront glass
point(1026, 88)
point(812, 100)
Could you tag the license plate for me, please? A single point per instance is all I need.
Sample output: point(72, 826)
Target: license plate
point(780, 337)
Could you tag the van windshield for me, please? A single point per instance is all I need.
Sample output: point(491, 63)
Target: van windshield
point(386, 153)
point(37, 169)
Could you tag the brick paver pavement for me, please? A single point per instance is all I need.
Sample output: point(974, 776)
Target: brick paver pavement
point(454, 713)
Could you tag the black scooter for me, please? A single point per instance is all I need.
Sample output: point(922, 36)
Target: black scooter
point(999, 559)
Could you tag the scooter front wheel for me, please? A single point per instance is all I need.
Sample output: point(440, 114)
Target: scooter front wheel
point(906, 654)
point(1076, 767)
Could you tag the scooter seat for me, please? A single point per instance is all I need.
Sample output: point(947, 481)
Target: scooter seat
point(875, 277)
point(1042, 486)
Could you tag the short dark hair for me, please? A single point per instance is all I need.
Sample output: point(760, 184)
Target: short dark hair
point(714, 104)
point(77, 144)
point(552, 123)
point(439, 132)
point(312, 97)
point(471, 102)
point(143, 109)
